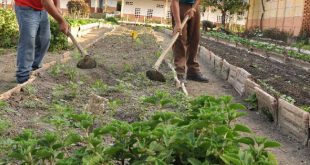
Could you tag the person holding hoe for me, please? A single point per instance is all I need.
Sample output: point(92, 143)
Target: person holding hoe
point(34, 37)
point(185, 49)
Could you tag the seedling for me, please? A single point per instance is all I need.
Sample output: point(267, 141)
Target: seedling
point(71, 73)
point(100, 87)
point(4, 125)
point(252, 100)
point(56, 69)
point(129, 68)
point(3, 104)
point(30, 90)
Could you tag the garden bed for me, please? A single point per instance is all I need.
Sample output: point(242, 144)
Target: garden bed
point(282, 80)
point(80, 116)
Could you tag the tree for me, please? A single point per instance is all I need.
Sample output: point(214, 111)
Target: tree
point(227, 6)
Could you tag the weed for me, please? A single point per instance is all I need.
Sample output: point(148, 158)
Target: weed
point(71, 73)
point(68, 92)
point(157, 53)
point(3, 104)
point(306, 108)
point(4, 125)
point(129, 68)
point(100, 87)
point(288, 99)
point(252, 100)
point(113, 105)
point(267, 113)
point(34, 104)
point(56, 69)
point(30, 90)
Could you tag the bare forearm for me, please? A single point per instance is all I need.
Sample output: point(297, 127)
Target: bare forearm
point(175, 7)
point(56, 3)
point(196, 4)
point(52, 10)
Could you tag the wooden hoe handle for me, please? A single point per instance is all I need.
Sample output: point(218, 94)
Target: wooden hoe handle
point(172, 41)
point(84, 53)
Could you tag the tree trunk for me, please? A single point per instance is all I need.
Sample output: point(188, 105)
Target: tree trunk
point(223, 18)
point(262, 16)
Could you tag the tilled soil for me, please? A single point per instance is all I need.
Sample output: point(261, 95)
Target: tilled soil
point(119, 78)
point(8, 61)
point(288, 80)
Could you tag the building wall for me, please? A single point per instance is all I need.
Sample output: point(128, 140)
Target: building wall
point(306, 18)
point(6, 3)
point(160, 10)
point(286, 15)
point(215, 16)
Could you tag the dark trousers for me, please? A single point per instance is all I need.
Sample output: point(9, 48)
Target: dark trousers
point(186, 47)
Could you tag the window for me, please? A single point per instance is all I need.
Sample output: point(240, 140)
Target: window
point(137, 12)
point(129, 3)
point(159, 6)
point(168, 14)
point(219, 18)
point(241, 13)
point(149, 13)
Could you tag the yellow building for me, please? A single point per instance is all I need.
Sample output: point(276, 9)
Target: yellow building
point(286, 15)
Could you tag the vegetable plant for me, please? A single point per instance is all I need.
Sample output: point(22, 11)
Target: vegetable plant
point(203, 134)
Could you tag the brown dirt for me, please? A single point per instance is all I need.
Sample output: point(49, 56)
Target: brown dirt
point(8, 59)
point(287, 80)
point(121, 66)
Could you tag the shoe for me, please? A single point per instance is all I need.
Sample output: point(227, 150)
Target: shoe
point(198, 77)
point(21, 80)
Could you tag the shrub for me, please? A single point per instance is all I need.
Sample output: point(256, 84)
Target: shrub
point(59, 41)
point(276, 34)
point(78, 8)
point(8, 28)
point(207, 24)
point(112, 20)
point(253, 32)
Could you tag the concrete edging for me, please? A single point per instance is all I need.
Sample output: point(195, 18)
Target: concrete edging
point(294, 121)
point(273, 56)
point(289, 118)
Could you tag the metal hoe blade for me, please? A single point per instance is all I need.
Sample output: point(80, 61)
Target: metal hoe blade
point(155, 75)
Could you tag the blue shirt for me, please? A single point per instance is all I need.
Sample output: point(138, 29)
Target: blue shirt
point(187, 1)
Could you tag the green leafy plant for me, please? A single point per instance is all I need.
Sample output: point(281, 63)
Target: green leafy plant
point(111, 20)
point(59, 41)
point(100, 88)
point(204, 134)
point(8, 28)
point(56, 70)
point(252, 100)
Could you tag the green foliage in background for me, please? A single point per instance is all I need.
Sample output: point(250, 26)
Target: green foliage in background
point(59, 41)
point(8, 28)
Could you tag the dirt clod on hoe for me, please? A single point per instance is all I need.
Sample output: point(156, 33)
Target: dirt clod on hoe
point(87, 62)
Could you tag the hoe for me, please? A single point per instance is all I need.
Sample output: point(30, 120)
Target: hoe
point(87, 62)
point(154, 74)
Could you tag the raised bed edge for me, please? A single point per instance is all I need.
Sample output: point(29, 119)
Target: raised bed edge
point(274, 104)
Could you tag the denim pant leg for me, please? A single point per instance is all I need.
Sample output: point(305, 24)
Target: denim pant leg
point(42, 40)
point(29, 21)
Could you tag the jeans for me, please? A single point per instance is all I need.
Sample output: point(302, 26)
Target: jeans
point(34, 40)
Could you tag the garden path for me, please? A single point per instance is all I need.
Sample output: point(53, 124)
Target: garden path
point(291, 151)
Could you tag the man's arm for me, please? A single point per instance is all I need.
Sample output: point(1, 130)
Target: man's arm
point(175, 9)
point(191, 12)
point(196, 5)
point(56, 3)
point(52, 10)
